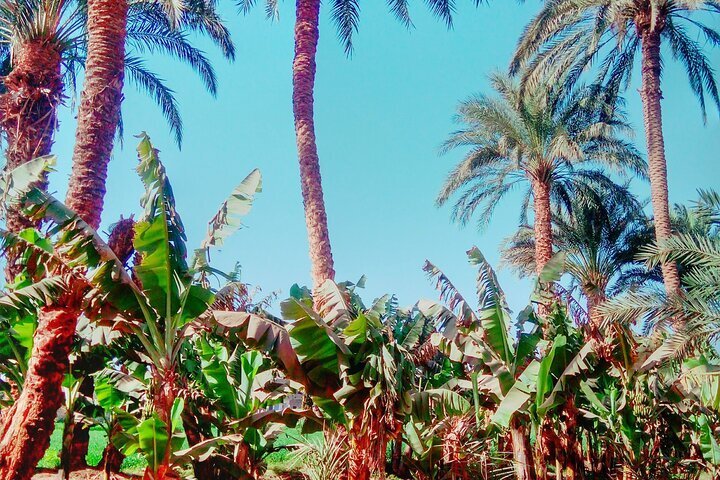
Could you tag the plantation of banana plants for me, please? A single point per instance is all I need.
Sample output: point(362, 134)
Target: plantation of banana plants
point(575, 339)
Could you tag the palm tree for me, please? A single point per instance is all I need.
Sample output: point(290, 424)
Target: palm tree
point(35, 36)
point(42, 47)
point(696, 248)
point(110, 25)
point(600, 240)
point(345, 14)
point(567, 35)
point(547, 140)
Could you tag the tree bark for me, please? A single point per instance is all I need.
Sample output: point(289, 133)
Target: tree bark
point(28, 116)
point(306, 39)
point(99, 112)
point(543, 231)
point(28, 424)
point(594, 300)
point(521, 451)
point(657, 166)
point(543, 224)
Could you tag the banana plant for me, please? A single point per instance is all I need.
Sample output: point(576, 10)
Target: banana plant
point(153, 303)
point(507, 373)
point(241, 391)
point(344, 355)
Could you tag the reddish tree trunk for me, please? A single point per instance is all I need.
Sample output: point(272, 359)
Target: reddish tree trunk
point(543, 230)
point(543, 225)
point(99, 112)
point(28, 115)
point(306, 39)
point(594, 300)
point(368, 447)
point(28, 424)
point(164, 392)
point(522, 459)
point(657, 167)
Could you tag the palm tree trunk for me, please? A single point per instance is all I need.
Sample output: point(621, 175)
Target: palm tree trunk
point(543, 225)
point(657, 166)
point(521, 451)
point(99, 112)
point(28, 424)
point(306, 39)
point(28, 115)
point(594, 300)
point(543, 232)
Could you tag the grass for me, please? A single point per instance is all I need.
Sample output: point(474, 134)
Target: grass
point(98, 441)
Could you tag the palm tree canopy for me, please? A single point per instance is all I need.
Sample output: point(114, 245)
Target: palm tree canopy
point(346, 14)
point(550, 135)
point(572, 35)
point(153, 28)
point(697, 250)
point(601, 241)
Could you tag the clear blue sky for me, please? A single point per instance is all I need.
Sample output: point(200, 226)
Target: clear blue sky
point(380, 117)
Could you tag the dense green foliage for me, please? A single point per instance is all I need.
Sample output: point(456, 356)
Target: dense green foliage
point(179, 370)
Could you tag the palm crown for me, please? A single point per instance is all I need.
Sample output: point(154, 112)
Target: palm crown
point(153, 28)
point(571, 34)
point(547, 137)
point(600, 241)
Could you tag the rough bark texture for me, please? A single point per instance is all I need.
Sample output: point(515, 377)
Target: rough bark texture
point(368, 446)
point(657, 168)
point(306, 39)
point(521, 451)
point(28, 115)
point(543, 225)
point(594, 300)
point(543, 230)
point(28, 424)
point(99, 111)
point(120, 240)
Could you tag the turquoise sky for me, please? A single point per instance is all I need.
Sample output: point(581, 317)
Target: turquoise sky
point(380, 117)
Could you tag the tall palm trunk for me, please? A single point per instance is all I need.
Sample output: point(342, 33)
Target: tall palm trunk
point(543, 224)
point(522, 459)
point(99, 112)
point(306, 39)
point(543, 231)
point(657, 168)
point(98, 118)
point(28, 114)
point(27, 425)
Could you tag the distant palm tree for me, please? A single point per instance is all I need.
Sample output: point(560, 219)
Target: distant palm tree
point(345, 14)
point(567, 35)
point(112, 25)
point(601, 241)
point(547, 140)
